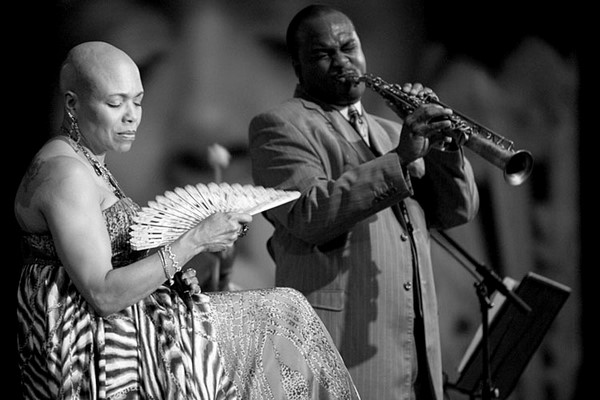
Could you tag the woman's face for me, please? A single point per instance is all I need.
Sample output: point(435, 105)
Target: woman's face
point(109, 114)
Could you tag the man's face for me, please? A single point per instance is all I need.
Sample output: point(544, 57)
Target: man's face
point(329, 50)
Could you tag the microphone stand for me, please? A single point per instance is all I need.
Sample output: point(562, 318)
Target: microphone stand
point(487, 282)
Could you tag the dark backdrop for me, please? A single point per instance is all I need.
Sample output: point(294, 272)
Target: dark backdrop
point(32, 61)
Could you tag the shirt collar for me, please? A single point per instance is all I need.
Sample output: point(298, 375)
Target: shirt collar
point(344, 110)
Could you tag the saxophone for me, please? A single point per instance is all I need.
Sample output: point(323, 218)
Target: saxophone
point(498, 150)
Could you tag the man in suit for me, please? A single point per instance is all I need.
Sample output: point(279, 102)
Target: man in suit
point(356, 242)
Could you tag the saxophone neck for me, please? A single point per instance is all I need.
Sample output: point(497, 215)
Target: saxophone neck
point(399, 101)
point(496, 149)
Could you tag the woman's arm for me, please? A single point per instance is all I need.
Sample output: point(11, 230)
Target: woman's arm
point(72, 206)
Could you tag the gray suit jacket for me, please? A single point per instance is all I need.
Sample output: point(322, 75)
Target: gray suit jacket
point(344, 243)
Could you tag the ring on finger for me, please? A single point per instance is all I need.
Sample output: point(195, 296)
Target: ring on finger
point(243, 230)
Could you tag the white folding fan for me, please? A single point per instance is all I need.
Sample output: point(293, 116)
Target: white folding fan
point(175, 212)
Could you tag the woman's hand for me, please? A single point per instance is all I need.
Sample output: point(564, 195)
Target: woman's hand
point(186, 282)
point(219, 231)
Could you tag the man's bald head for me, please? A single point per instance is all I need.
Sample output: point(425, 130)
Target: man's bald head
point(90, 66)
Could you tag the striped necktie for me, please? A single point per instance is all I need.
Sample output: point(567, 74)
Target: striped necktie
point(357, 121)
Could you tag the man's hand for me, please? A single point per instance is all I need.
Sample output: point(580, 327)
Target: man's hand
point(426, 126)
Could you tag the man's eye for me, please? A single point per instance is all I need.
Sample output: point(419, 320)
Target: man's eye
point(319, 56)
point(349, 48)
point(114, 105)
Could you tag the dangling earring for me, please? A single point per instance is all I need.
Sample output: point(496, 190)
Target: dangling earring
point(74, 132)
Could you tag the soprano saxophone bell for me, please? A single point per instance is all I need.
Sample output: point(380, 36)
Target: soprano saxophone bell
point(518, 167)
point(498, 150)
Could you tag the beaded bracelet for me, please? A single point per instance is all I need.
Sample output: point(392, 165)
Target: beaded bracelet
point(163, 261)
point(173, 258)
point(164, 253)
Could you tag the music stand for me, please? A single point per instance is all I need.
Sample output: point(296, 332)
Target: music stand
point(509, 336)
point(513, 336)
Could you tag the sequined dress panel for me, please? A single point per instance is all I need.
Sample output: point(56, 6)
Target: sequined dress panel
point(254, 344)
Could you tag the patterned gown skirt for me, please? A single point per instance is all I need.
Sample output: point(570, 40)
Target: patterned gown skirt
point(254, 344)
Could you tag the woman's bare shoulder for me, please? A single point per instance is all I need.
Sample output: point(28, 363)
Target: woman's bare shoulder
point(55, 161)
point(54, 169)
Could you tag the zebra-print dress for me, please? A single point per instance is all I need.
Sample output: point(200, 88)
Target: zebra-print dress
point(255, 344)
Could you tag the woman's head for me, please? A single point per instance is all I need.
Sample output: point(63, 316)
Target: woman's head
point(102, 90)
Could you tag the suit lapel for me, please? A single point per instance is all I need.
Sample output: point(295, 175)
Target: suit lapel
point(381, 143)
point(342, 128)
point(379, 139)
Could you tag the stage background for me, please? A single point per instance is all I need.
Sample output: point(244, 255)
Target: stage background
point(525, 72)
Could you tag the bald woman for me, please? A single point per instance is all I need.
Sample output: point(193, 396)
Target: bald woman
point(97, 319)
